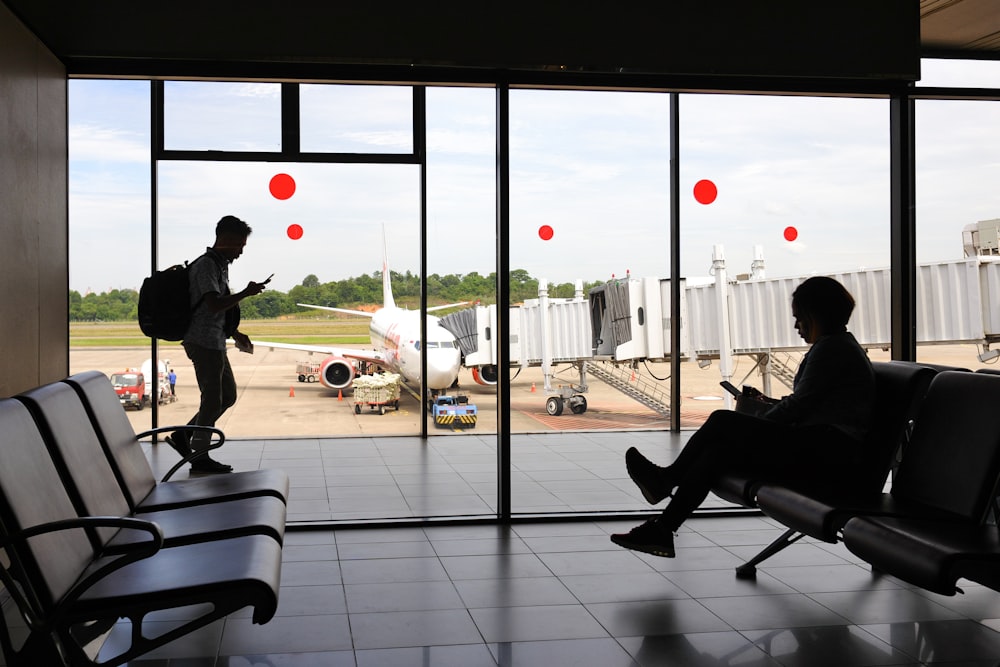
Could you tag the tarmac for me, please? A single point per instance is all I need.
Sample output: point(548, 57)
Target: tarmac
point(272, 402)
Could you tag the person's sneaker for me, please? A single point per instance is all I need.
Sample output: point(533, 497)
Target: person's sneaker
point(648, 476)
point(209, 466)
point(181, 448)
point(651, 537)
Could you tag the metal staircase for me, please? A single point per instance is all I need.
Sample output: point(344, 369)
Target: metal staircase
point(650, 393)
point(783, 366)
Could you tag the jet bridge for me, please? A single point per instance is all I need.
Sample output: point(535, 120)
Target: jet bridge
point(627, 321)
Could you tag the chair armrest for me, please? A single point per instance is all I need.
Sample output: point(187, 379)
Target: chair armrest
point(134, 552)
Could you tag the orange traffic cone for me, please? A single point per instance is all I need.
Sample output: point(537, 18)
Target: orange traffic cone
point(633, 376)
point(532, 386)
point(291, 391)
point(340, 395)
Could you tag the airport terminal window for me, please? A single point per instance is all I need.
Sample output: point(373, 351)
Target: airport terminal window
point(957, 223)
point(222, 116)
point(356, 118)
point(773, 189)
point(959, 73)
point(109, 228)
point(777, 187)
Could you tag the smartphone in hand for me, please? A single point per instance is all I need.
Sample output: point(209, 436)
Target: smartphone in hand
point(731, 388)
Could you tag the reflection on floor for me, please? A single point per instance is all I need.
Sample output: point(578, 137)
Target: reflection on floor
point(403, 477)
point(562, 594)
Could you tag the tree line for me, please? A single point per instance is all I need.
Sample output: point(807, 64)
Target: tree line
point(121, 305)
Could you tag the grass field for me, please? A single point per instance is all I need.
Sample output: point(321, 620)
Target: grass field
point(306, 332)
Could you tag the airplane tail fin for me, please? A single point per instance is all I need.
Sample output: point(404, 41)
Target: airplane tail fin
point(387, 300)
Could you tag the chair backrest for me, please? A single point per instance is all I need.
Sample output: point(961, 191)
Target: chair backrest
point(76, 452)
point(952, 461)
point(899, 389)
point(115, 433)
point(32, 494)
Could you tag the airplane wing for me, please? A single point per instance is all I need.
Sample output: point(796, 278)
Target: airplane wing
point(370, 356)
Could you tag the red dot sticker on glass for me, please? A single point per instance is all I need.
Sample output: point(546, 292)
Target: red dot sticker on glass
point(294, 232)
point(282, 186)
point(705, 192)
point(791, 233)
point(545, 233)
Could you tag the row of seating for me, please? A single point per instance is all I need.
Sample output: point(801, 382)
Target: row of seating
point(939, 431)
point(89, 536)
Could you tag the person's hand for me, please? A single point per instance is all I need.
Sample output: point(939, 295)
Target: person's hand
point(253, 288)
point(243, 342)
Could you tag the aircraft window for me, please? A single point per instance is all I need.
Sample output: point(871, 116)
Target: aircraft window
point(416, 345)
point(433, 345)
point(448, 344)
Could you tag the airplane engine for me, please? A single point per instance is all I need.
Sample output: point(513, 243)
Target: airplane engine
point(336, 373)
point(485, 375)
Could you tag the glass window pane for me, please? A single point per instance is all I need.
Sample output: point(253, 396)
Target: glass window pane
point(800, 187)
point(109, 229)
point(959, 73)
point(221, 116)
point(356, 119)
point(957, 231)
point(589, 199)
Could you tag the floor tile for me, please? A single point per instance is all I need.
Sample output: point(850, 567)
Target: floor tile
point(623, 587)
point(287, 634)
point(561, 653)
point(940, 641)
point(655, 617)
point(413, 629)
point(461, 655)
point(402, 596)
point(700, 649)
point(519, 624)
point(884, 606)
point(758, 612)
point(826, 646)
point(523, 592)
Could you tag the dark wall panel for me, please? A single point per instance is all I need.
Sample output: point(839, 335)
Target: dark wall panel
point(34, 340)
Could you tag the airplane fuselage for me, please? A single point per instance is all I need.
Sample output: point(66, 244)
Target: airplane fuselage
point(395, 334)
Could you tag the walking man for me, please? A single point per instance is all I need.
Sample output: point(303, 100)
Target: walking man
point(215, 318)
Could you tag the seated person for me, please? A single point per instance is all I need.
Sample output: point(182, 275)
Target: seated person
point(812, 436)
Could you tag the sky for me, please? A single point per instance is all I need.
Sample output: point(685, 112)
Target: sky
point(805, 179)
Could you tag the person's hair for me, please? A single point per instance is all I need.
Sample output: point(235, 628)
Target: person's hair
point(825, 301)
point(230, 225)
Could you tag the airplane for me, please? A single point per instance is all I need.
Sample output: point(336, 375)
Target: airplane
point(395, 335)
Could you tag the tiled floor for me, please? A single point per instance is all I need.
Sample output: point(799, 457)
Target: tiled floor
point(351, 479)
point(561, 594)
point(553, 594)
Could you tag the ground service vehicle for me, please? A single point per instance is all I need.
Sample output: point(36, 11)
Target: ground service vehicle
point(307, 371)
point(130, 385)
point(378, 392)
point(454, 411)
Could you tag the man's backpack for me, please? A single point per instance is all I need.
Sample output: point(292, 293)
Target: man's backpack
point(165, 303)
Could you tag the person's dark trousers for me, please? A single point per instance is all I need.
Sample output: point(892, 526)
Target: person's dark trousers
point(218, 391)
point(732, 442)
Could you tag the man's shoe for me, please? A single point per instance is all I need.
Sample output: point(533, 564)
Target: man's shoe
point(181, 448)
point(207, 466)
point(651, 537)
point(648, 476)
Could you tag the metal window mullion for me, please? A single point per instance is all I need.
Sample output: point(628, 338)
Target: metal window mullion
point(503, 301)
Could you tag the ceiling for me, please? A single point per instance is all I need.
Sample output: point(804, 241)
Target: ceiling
point(86, 33)
point(960, 28)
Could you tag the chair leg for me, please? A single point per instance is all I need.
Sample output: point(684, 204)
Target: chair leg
point(749, 569)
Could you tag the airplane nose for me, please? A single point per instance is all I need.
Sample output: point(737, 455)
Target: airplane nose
point(442, 369)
